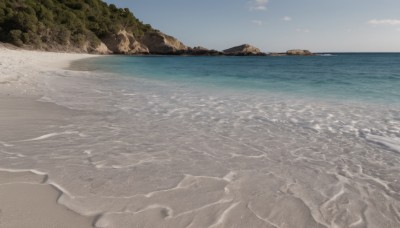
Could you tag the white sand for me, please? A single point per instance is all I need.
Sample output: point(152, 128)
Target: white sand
point(26, 199)
point(21, 70)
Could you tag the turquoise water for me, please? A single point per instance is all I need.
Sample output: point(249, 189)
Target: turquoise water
point(370, 77)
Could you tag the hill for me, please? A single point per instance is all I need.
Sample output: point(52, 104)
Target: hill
point(74, 25)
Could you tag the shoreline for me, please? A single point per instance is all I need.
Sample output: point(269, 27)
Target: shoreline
point(130, 152)
point(29, 197)
point(191, 52)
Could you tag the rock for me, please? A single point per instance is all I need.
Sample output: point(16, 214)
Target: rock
point(202, 51)
point(102, 49)
point(276, 54)
point(200, 48)
point(299, 52)
point(118, 43)
point(244, 49)
point(160, 43)
point(124, 43)
point(137, 48)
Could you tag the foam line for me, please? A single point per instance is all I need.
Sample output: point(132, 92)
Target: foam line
point(46, 136)
point(390, 143)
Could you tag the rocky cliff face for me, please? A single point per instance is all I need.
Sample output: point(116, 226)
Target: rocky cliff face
point(153, 42)
point(102, 49)
point(160, 43)
point(125, 43)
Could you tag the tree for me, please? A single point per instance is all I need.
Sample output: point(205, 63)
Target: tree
point(15, 37)
point(64, 22)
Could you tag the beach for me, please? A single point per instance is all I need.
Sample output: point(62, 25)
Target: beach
point(101, 149)
point(27, 197)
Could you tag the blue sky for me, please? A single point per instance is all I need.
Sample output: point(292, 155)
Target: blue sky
point(276, 25)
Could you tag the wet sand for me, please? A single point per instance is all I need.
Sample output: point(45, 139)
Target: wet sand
point(27, 199)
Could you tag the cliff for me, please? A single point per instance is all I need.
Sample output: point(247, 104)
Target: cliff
point(81, 26)
point(160, 43)
point(124, 43)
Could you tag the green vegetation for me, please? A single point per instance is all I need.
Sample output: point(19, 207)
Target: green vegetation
point(49, 24)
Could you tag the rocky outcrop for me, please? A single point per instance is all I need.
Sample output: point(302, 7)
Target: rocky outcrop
point(125, 43)
point(160, 43)
point(276, 54)
point(156, 42)
point(245, 49)
point(299, 52)
point(202, 51)
point(102, 49)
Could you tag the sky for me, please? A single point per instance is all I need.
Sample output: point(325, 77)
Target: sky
point(276, 25)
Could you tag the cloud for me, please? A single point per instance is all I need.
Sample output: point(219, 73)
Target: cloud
point(384, 22)
point(257, 22)
point(286, 18)
point(258, 5)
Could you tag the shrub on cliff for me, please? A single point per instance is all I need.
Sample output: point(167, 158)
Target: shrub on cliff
point(75, 23)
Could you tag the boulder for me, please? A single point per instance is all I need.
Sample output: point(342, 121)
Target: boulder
point(299, 52)
point(160, 43)
point(125, 43)
point(245, 49)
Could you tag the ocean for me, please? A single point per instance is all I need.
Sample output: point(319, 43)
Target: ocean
point(175, 141)
point(369, 77)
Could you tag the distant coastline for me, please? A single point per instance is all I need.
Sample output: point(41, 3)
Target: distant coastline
point(98, 28)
